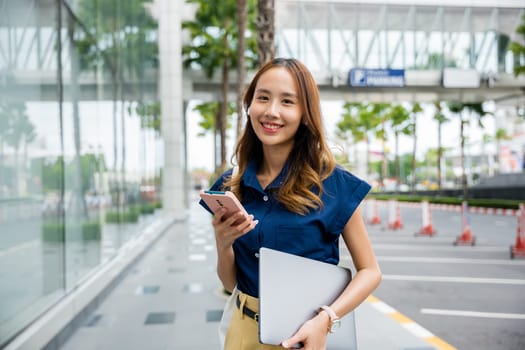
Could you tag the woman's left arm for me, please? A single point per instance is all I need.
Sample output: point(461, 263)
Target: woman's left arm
point(368, 276)
point(368, 273)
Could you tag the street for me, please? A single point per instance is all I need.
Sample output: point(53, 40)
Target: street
point(472, 297)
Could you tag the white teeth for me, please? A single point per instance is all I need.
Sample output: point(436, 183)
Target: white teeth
point(271, 126)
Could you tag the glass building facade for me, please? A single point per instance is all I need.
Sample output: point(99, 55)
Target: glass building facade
point(80, 149)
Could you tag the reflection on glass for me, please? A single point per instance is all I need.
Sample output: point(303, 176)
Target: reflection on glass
point(79, 130)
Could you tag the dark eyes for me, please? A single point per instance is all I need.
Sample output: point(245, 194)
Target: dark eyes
point(266, 98)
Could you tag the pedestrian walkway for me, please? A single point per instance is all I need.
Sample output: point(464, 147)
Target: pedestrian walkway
point(171, 299)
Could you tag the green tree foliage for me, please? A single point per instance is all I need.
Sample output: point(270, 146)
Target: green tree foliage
point(16, 131)
point(119, 34)
point(381, 112)
point(52, 171)
point(15, 126)
point(414, 114)
point(399, 117)
point(119, 37)
point(358, 121)
point(464, 111)
point(214, 39)
point(149, 114)
point(440, 119)
point(208, 112)
point(518, 49)
point(214, 36)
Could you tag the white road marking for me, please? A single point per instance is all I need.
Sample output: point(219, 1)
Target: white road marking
point(438, 260)
point(417, 330)
point(383, 307)
point(464, 313)
point(16, 248)
point(197, 257)
point(448, 279)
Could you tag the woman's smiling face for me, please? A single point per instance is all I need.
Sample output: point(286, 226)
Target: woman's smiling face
point(275, 111)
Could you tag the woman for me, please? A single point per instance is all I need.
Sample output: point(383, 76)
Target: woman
point(300, 202)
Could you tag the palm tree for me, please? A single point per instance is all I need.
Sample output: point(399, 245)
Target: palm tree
point(381, 113)
point(360, 120)
point(348, 129)
point(500, 135)
point(214, 37)
point(242, 14)
point(416, 109)
point(399, 116)
point(208, 112)
point(519, 50)
point(265, 30)
point(149, 114)
point(441, 119)
point(486, 168)
point(459, 109)
point(78, 200)
point(117, 35)
point(17, 132)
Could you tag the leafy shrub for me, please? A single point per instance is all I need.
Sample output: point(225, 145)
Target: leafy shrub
point(54, 231)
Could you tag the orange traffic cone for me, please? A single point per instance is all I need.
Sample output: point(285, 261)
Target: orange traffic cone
point(373, 213)
point(426, 217)
point(466, 237)
point(519, 248)
point(394, 215)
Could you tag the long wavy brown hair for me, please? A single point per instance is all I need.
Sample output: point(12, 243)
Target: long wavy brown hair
point(310, 160)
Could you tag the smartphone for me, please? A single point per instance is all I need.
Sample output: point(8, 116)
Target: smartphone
point(223, 199)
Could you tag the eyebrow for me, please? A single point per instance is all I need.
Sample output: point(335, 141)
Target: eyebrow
point(285, 94)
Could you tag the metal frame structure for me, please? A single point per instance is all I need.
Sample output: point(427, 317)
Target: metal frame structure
point(337, 35)
point(331, 37)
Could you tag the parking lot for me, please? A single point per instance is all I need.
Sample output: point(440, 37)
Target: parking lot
point(473, 297)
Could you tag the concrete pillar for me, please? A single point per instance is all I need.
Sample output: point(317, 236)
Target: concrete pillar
point(174, 190)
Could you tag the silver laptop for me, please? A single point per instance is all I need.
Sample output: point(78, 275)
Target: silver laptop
point(291, 290)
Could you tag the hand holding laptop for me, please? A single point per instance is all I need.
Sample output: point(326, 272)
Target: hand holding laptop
point(291, 291)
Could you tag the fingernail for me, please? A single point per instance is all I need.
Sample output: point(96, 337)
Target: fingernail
point(256, 222)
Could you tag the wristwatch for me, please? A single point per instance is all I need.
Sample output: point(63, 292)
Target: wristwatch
point(335, 321)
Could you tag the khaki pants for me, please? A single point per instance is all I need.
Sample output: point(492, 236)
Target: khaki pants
point(243, 333)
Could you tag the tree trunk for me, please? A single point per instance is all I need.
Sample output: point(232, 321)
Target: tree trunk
point(462, 159)
point(223, 108)
point(439, 156)
point(79, 206)
point(384, 163)
point(414, 149)
point(265, 30)
point(367, 157)
point(2, 184)
point(242, 13)
point(397, 165)
point(216, 141)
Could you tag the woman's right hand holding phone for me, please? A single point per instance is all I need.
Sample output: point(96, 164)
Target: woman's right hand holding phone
point(228, 229)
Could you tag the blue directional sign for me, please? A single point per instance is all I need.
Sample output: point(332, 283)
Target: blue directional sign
point(365, 77)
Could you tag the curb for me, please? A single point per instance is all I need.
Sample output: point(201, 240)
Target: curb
point(457, 208)
point(409, 325)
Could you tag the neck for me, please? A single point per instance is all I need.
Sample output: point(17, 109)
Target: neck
point(274, 159)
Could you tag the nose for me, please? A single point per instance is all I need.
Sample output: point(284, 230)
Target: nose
point(273, 109)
